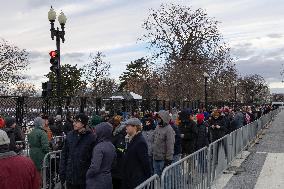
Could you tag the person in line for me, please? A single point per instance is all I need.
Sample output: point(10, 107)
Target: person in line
point(77, 154)
point(46, 127)
point(164, 140)
point(99, 173)
point(38, 142)
point(119, 142)
point(188, 132)
point(13, 133)
point(137, 167)
point(148, 134)
point(68, 125)
point(17, 172)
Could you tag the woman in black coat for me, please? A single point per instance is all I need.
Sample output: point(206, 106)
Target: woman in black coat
point(137, 166)
point(202, 132)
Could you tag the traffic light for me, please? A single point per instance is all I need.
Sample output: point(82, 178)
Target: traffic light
point(54, 60)
point(46, 89)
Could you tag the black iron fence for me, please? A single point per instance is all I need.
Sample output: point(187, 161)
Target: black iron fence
point(25, 109)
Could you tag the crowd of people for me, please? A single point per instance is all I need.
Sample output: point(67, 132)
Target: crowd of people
point(106, 152)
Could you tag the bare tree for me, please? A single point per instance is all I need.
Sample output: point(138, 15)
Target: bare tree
point(189, 43)
point(13, 61)
point(25, 89)
point(96, 73)
point(253, 89)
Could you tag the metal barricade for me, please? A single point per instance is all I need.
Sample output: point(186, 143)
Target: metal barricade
point(151, 183)
point(24, 147)
point(221, 153)
point(50, 170)
point(58, 142)
point(189, 172)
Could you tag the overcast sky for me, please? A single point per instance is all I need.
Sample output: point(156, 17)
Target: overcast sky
point(254, 29)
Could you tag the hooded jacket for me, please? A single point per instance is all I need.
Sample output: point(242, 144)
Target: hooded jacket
point(164, 139)
point(38, 142)
point(99, 173)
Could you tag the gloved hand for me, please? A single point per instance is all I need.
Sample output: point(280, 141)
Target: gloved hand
point(168, 162)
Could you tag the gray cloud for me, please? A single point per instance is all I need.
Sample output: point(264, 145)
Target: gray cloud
point(37, 54)
point(242, 50)
point(33, 77)
point(275, 35)
point(267, 66)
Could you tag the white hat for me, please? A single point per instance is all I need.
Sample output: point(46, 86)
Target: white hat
point(4, 139)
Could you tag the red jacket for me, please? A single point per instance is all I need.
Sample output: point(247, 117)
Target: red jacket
point(18, 172)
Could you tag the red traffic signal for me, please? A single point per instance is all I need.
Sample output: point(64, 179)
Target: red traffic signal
point(52, 54)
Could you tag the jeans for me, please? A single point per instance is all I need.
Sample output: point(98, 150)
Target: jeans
point(158, 166)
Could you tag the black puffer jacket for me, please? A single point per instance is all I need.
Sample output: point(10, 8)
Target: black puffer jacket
point(217, 133)
point(202, 135)
point(188, 142)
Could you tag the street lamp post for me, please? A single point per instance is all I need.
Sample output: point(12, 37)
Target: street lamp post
point(206, 76)
point(235, 85)
point(58, 35)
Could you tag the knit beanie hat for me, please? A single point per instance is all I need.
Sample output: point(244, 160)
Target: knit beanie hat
point(82, 118)
point(96, 120)
point(2, 122)
point(10, 121)
point(200, 117)
point(38, 122)
point(4, 139)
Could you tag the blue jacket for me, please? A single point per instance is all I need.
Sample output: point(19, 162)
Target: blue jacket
point(137, 165)
point(76, 157)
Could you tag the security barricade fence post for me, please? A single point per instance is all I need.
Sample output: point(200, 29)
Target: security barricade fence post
point(151, 183)
point(50, 170)
point(189, 172)
point(23, 147)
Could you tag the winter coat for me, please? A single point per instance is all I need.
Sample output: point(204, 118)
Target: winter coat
point(164, 141)
point(76, 156)
point(227, 123)
point(188, 142)
point(18, 172)
point(39, 146)
point(118, 140)
point(11, 134)
point(48, 132)
point(99, 173)
point(149, 137)
point(56, 128)
point(239, 120)
point(177, 146)
point(68, 126)
point(217, 133)
point(137, 166)
point(202, 135)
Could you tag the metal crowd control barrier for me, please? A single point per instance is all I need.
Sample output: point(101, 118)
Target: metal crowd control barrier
point(50, 170)
point(189, 172)
point(24, 146)
point(222, 152)
point(151, 183)
point(201, 168)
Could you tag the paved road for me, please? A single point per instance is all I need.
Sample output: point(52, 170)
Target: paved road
point(264, 166)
